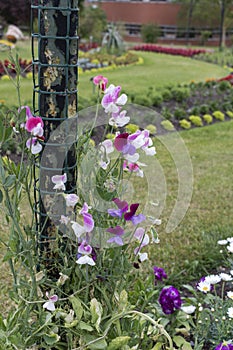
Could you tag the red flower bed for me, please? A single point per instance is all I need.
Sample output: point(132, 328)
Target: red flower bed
point(25, 67)
point(227, 78)
point(87, 46)
point(169, 50)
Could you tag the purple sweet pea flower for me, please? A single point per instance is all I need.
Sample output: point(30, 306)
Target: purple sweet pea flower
point(122, 208)
point(117, 231)
point(224, 346)
point(170, 300)
point(87, 218)
point(159, 273)
point(49, 305)
point(121, 141)
point(130, 216)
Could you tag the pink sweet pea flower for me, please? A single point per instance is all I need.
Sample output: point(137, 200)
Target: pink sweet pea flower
point(119, 119)
point(49, 305)
point(87, 218)
point(85, 249)
point(34, 123)
point(111, 101)
point(28, 111)
point(100, 81)
point(117, 231)
point(33, 145)
point(59, 181)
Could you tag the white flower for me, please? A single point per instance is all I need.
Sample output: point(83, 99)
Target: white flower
point(71, 199)
point(188, 309)
point(204, 286)
point(223, 242)
point(231, 272)
point(230, 239)
point(143, 256)
point(230, 295)
point(225, 276)
point(230, 312)
point(212, 279)
point(85, 259)
point(59, 181)
point(64, 220)
point(49, 305)
point(230, 248)
point(78, 229)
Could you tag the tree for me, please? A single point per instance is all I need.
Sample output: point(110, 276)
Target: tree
point(150, 33)
point(16, 12)
point(93, 23)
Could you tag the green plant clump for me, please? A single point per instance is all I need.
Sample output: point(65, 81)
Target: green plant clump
point(219, 115)
point(185, 124)
point(208, 118)
point(196, 120)
point(167, 125)
point(230, 114)
point(152, 128)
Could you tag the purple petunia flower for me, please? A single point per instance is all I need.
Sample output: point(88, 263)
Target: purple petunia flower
point(224, 346)
point(159, 273)
point(170, 300)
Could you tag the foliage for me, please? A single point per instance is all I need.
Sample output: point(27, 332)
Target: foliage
point(185, 124)
point(150, 33)
point(167, 125)
point(10, 12)
point(92, 24)
point(208, 118)
point(169, 50)
point(196, 120)
point(219, 115)
point(112, 40)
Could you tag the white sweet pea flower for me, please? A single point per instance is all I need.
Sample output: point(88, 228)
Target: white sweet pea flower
point(78, 229)
point(64, 220)
point(49, 305)
point(71, 199)
point(142, 256)
point(85, 259)
point(59, 181)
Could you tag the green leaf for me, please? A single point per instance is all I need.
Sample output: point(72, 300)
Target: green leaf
point(118, 343)
point(96, 313)
point(51, 339)
point(9, 181)
point(77, 306)
point(99, 344)
point(71, 324)
point(2, 172)
point(2, 325)
point(85, 326)
point(1, 196)
point(123, 300)
point(158, 346)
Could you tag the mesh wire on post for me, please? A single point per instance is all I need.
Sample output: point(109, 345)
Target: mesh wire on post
point(54, 26)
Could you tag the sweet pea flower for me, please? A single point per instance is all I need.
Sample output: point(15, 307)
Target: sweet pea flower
point(134, 167)
point(100, 81)
point(28, 111)
point(119, 119)
point(64, 220)
point(87, 218)
point(111, 101)
point(33, 145)
point(130, 216)
point(49, 305)
point(35, 125)
point(106, 147)
point(117, 231)
point(71, 199)
point(85, 250)
point(144, 240)
point(122, 208)
point(59, 181)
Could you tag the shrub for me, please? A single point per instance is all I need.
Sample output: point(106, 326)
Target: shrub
point(194, 111)
point(131, 128)
point(152, 128)
point(167, 125)
point(204, 109)
point(165, 112)
point(224, 85)
point(185, 124)
point(180, 94)
point(167, 95)
point(213, 106)
point(196, 120)
point(150, 33)
point(219, 115)
point(208, 118)
point(226, 106)
point(230, 114)
point(179, 113)
point(143, 100)
point(156, 99)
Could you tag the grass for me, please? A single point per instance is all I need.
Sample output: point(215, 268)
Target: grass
point(158, 70)
point(191, 247)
